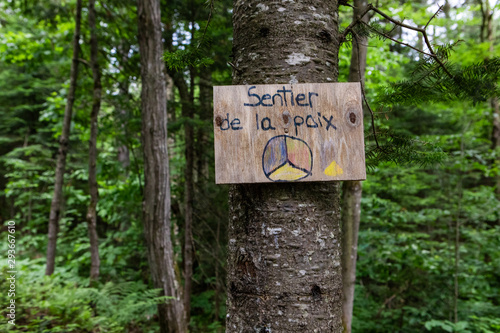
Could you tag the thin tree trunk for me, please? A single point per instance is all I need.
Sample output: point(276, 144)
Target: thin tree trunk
point(55, 206)
point(359, 46)
point(351, 215)
point(123, 150)
point(96, 105)
point(206, 97)
point(352, 190)
point(188, 221)
point(495, 107)
point(217, 278)
point(495, 138)
point(456, 293)
point(156, 205)
point(284, 271)
point(187, 98)
point(188, 113)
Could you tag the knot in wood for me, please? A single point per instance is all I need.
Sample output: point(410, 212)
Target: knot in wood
point(264, 32)
point(218, 120)
point(286, 117)
point(352, 117)
point(316, 292)
point(324, 36)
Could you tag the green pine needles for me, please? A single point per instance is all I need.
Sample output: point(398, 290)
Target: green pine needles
point(431, 79)
point(192, 55)
point(432, 83)
point(402, 149)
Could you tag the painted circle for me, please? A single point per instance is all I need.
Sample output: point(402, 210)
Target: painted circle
point(286, 158)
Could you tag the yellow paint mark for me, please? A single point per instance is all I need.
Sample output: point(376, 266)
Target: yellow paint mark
point(333, 170)
point(287, 172)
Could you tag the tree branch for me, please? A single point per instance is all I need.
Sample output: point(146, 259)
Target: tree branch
point(343, 35)
point(403, 25)
point(364, 97)
point(85, 62)
point(433, 16)
point(211, 5)
point(398, 41)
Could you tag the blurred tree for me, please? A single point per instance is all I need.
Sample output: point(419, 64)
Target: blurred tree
point(352, 190)
point(96, 105)
point(55, 208)
point(156, 205)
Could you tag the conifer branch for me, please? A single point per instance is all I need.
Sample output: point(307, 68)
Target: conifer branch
point(433, 16)
point(420, 30)
point(423, 31)
point(210, 13)
point(397, 41)
point(349, 28)
point(372, 115)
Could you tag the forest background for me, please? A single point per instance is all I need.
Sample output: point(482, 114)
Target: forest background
point(429, 240)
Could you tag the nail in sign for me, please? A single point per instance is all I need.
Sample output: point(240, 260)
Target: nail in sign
point(288, 133)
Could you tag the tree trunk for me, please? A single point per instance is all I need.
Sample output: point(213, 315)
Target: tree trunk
point(495, 107)
point(156, 205)
point(55, 206)
point(352, 190)
point(206, 97)
point(217, 277)
point(188, 114)
point(359, 46)
point(188, 217)
point(351, 215)
point(487, 33)
point(94, 191)
point(187, 97)
point(284, 272)
point(495, 138)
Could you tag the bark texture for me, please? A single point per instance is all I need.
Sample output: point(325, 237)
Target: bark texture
point(351, 215)
point(55, 206)
point(187, 97)
point(352, 190)
point(284, 272)
point(188, 215)
point(156, 205)
point(94, 191)
point(359, 46)
point(205, 114)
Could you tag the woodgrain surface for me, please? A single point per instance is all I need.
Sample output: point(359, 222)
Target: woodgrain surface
point(288, 133)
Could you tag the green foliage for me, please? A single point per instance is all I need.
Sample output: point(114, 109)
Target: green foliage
point(188, 57)
point(444, 177)
point(447, 326)
point(431, 82)
point(412, 211)
point(402, 149)
point(58, 304)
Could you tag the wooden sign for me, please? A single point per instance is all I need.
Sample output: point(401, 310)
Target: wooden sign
point(288, 133)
